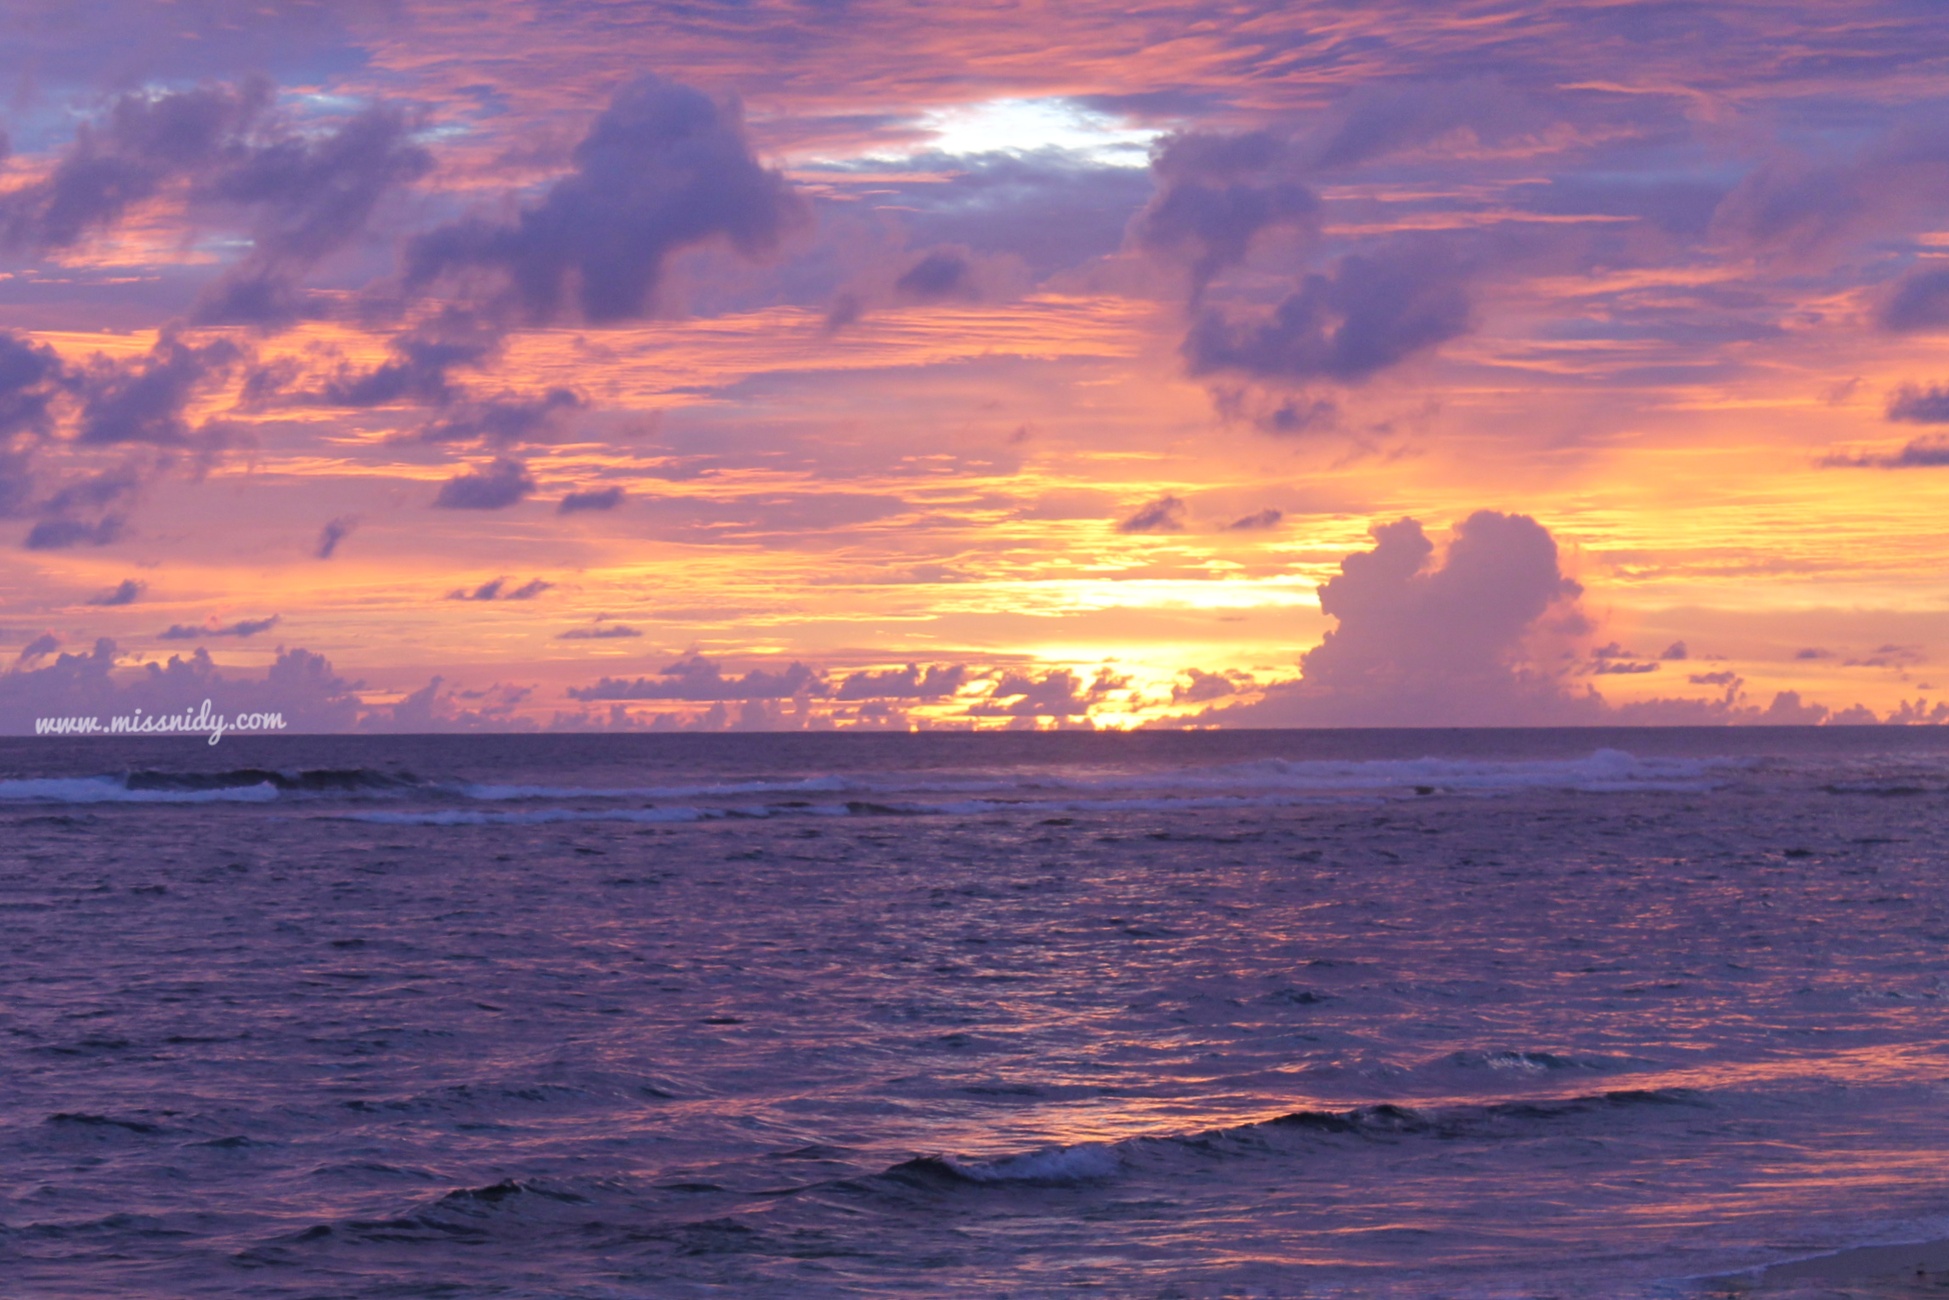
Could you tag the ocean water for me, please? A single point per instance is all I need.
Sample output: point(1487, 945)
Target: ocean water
point(1382, 1014)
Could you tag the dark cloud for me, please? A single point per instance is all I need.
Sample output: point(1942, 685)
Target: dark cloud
point(1923, 453)
point(1209, 207)
point(301, 194)
point(334, 532)
point(1920, 301)
point(88, 510)
point(127, 592)
point(1674, 652)
point(1369, 313)
point(60, 534)
point(607, 498)
point(845, 309)
point(941, 274)
point(497, 589)
point(1889, 655)
point(910, 683)
point(142, 142)
point(1296, 416)
point(1059, 693)
point(1918, 405)
point(1381, 119)
point(604, 632)
point(242, 628)
point(17, 482)
point(39, 648)
point(307, 198)
point(504, 422)
point(143, 401)
point(1420, 643)
point(418, 371)
point(501, 484)
point(31, 378)
point(698, 679)
point(662, 169)
point(1258, 521)
point(1164, 515)
point(1203, 686)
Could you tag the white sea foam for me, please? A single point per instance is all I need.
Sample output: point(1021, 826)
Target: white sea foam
point(810, 785)
point(1603, 771)
point(536, 817)
point(1057, 1165)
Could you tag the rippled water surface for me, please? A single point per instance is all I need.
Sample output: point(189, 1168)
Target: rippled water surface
point(1388, 1014)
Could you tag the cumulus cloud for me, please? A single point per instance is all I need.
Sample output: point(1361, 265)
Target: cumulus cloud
point(1421, 642)
point(699, 679)
point(938, 681)
point(1164, 515)
point(300, 685)
point(501, 484)
point(438, 707)
point(1369, 313)
point(662, 169)
point(607, 498)
point(1201, 687)
point(1058, 693)
point(126, 592)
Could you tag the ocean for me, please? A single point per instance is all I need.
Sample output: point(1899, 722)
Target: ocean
point(1387, 1013)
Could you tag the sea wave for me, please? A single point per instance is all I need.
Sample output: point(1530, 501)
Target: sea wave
point(115, 789)
point(1096, 1162)
point(1268, 782)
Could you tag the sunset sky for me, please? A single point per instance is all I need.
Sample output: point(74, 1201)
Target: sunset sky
point(856, 363)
